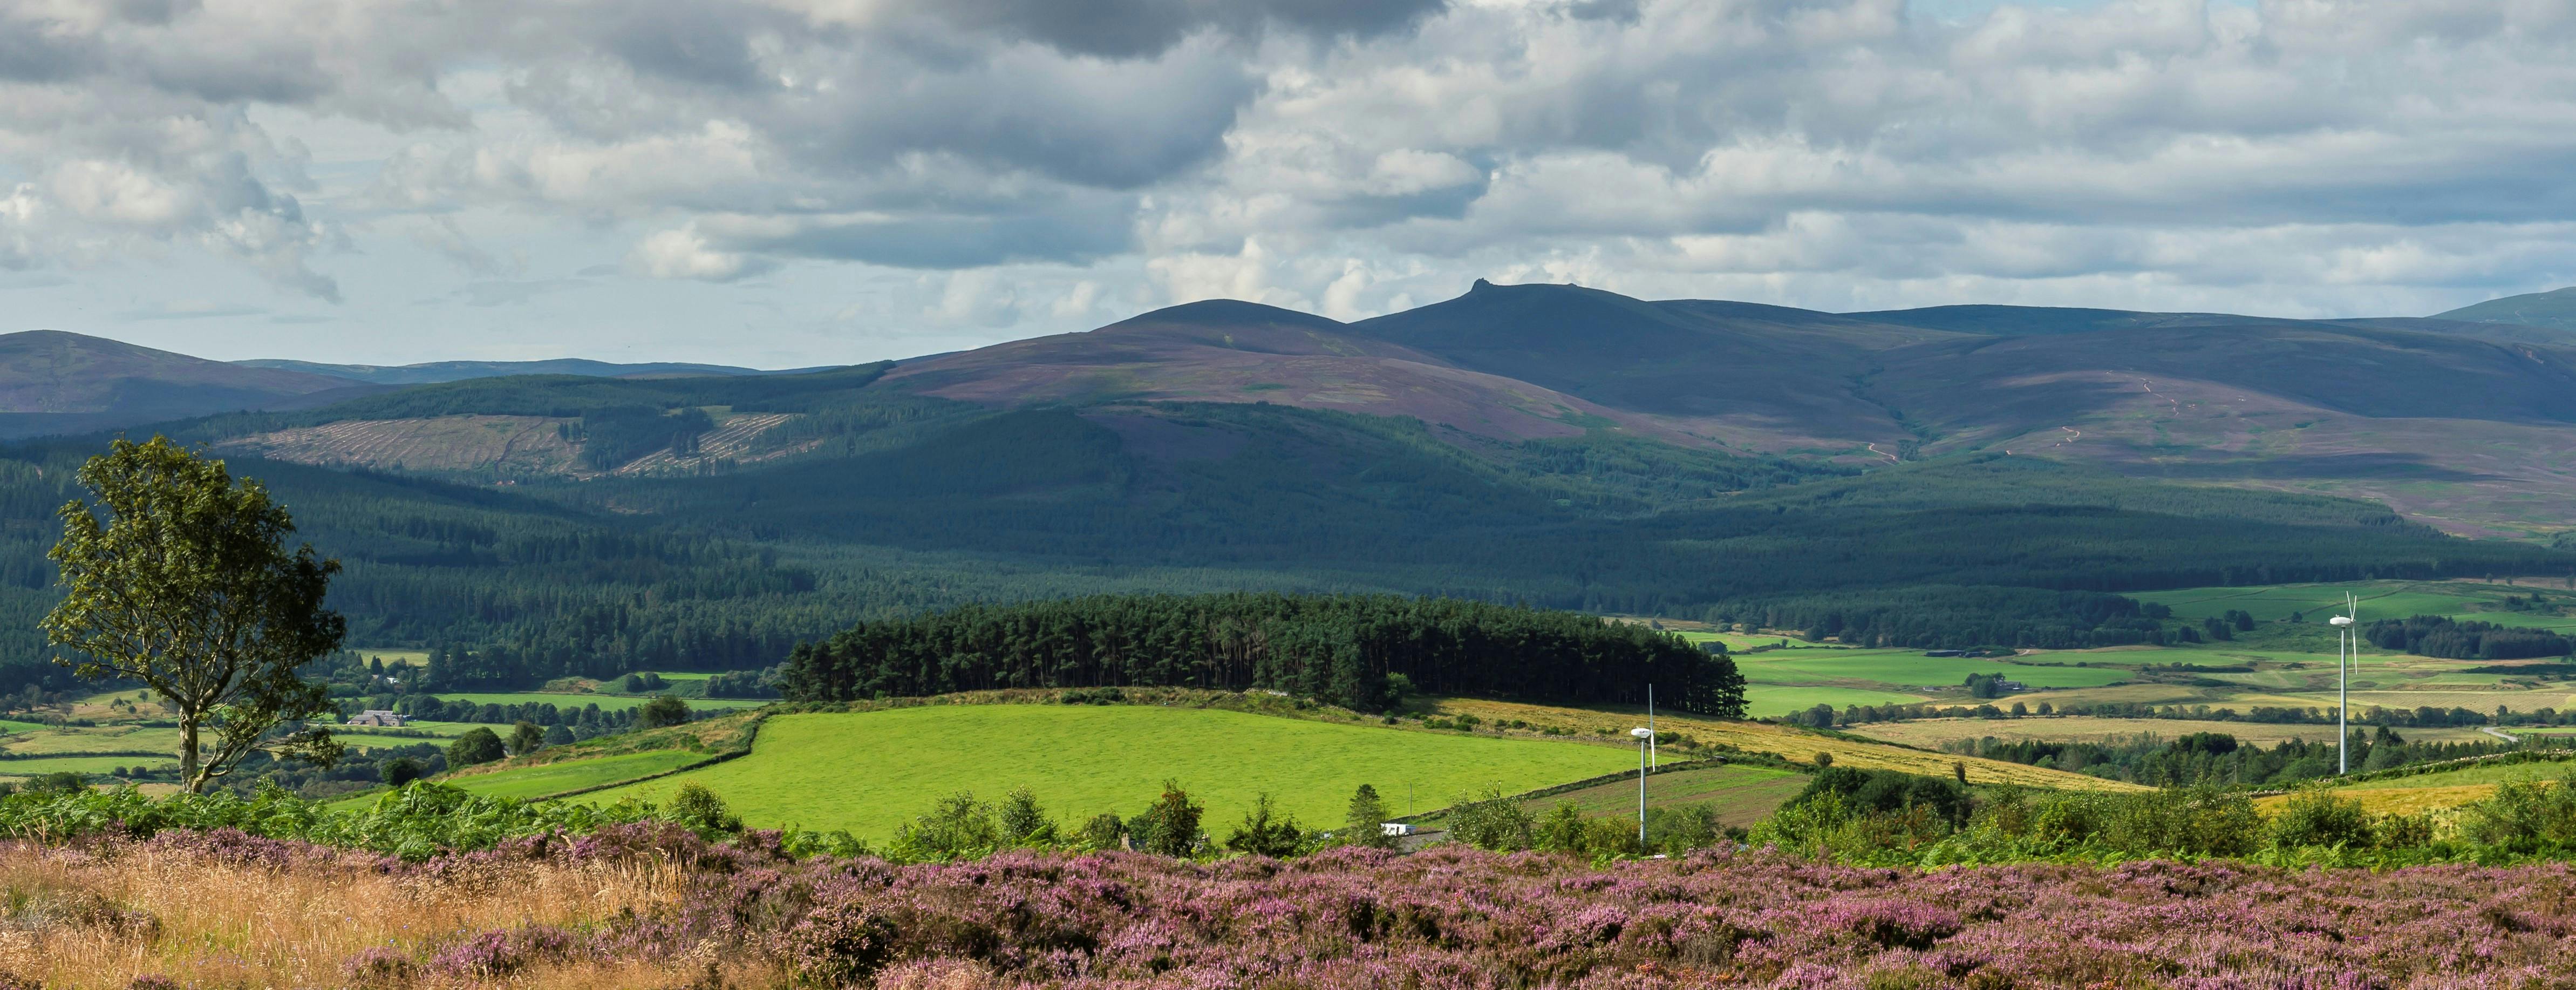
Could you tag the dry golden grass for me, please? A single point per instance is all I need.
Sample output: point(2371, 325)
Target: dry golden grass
point(78, 919)
point(2397, 800)
point(1786, 742)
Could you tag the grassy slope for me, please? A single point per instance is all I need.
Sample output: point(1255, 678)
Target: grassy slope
point(1773, 700)
point(1743, 795)
point(1786, 742)
point(79, 764)
point(541, 780)
point(870, 771)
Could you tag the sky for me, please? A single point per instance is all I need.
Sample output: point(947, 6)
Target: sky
point(785, 183)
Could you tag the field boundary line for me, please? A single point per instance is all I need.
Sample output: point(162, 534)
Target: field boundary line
point(699, 765)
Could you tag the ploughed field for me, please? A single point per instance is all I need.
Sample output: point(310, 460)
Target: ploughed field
point(631, 907)
point(869, 772)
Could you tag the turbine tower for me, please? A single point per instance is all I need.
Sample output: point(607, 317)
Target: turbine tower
point(2344, 633)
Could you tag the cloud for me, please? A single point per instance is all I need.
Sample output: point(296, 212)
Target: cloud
point(1345, 155)
point(684, 254)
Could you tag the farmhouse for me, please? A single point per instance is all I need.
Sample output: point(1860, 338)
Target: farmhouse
point(376, 717)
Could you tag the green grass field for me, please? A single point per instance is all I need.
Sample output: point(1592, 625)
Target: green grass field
point(872, 771)
point(606, 702)
point(1743, 795)
point(556, 778)
point(1774, 700)
point(1910, 668)
point(77, 739)
point(77, 764)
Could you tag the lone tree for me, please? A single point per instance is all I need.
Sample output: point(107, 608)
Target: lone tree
point(179, 577)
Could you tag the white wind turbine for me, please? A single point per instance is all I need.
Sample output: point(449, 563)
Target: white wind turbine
point(2345, 633)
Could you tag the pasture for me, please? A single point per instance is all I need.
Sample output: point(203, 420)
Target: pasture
point(1793, 744)
point(91, 739)
point(869, 772)
point(1742, 795)
point(1774, 700)
point(547, 779)
point(79, 764)
point(1910, 668)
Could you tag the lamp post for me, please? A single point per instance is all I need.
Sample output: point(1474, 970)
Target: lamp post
point(1645, 738)
point(2343, 694)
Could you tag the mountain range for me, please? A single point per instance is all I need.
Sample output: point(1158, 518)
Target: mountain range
point(1956, 476)
point(2462, 420)
point(2463, 424)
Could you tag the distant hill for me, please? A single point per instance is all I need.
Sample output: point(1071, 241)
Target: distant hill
point(57, 382)
point(2555, 309)
point(453, 371)
point(1228, 351)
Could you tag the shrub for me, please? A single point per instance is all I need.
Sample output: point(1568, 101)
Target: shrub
point(957, 826)
point(1890, 792)
point(700, 809)
point(1024, 823)
point(1562, 831)
point(479, 745)
point(2527, 817)
point(1492, 822)
point(2316, 817)
point(2201, 821)
point(414, 823)
point(1683, 828)
point(1612, 837)
point(1104, 831)
point(1171, 825)
point(1264, 833)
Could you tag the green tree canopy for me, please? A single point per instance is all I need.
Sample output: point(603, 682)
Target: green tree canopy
point(179, 577)
point(480, 745)
point(664, 709)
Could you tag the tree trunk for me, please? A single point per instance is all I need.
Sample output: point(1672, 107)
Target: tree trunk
point(188, 756)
